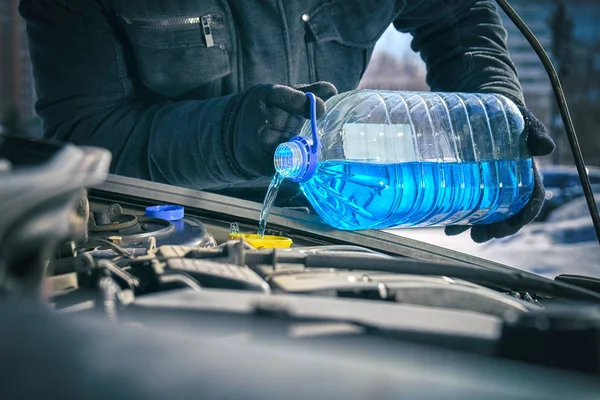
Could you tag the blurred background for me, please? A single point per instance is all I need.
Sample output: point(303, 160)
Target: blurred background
point(568, 29)
point(17, 90)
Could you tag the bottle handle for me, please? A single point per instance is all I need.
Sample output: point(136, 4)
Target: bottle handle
point(312, 153)
point(313, 122)
point(306, 150)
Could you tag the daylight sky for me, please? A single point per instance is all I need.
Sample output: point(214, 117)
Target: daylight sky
point(395, 43)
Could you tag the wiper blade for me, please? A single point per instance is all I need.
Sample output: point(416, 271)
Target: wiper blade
point(510, 279)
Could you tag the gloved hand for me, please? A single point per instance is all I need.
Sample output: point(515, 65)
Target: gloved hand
point(539, 143)
point(265, 116)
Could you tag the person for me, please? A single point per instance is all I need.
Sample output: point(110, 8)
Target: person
point(199, 93)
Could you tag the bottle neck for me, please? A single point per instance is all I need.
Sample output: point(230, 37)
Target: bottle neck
point(291, 160)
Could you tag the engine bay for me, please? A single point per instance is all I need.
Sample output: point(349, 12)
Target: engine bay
point(145, 255)
point(98, 254)
point(132, 266)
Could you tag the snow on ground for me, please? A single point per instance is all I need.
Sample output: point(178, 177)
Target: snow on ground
point(549, 249)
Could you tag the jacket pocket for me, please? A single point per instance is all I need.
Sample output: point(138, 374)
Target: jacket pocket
point(342, 35)
point(179, 53)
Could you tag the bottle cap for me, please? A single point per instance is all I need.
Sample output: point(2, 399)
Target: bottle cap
point(168, 212)
point(266, 242)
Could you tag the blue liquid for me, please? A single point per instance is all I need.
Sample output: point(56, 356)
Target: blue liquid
point(355, 195)
point(270, 197)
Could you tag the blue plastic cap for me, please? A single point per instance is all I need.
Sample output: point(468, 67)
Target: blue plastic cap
point(168, 212)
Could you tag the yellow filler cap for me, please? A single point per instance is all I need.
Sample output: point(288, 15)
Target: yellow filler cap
point(267, 242)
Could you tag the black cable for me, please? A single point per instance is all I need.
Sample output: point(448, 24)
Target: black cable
point(180, 277)
point(109, 297)
point(337, 249)
point(131, 280)
point(564, 110)
point(104, 242)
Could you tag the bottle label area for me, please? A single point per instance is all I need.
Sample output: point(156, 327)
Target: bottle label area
point(378, 142)
point(355, 195)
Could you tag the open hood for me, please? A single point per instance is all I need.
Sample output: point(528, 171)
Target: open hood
point(356, 294)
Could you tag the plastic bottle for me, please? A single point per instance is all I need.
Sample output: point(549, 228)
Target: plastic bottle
point(387, 159)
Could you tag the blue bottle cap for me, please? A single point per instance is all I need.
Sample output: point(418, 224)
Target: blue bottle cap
point(168, 212)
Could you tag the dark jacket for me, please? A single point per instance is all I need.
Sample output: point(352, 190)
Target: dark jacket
point(145, 80)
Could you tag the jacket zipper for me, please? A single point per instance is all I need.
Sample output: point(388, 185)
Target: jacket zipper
point(206, 31)
point(206, 22)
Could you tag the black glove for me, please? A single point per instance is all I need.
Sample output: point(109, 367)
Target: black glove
point(539, 143)
point(265, 116)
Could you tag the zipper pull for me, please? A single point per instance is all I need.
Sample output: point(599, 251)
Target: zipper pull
point(208, 37)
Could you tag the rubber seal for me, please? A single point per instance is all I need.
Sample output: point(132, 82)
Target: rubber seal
point(167, 212)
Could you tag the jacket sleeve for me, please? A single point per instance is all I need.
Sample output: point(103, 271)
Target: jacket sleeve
point(463, 44)
point(86, 96)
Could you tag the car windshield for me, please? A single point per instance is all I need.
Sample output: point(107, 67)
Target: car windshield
point(561, 240)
